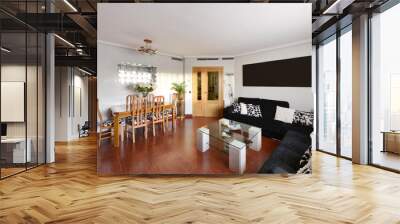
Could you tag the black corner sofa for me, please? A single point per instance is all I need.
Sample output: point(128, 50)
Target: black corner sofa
point(295, 139)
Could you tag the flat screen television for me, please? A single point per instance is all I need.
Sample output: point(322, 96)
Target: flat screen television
point(292, 72)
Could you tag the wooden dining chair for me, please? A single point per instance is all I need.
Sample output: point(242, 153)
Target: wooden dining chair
point(150, 100)
point(157, 116)
point(129, 102)
point(105, 127)
point(170, 114)
point(139, 117)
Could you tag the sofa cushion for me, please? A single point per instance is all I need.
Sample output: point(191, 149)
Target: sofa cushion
point(277, 129)
point(303, 118)
point(289, 157)
point(305, 164)
point(254, 110)
point(268, 107)
point(255, 121)
point(246, 100)
point(243, 108)
point(284, 114)
point(296, 142)
point(235, 108)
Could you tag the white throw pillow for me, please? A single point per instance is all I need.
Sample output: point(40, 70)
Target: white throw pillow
point(284, 114)
point(243, 108)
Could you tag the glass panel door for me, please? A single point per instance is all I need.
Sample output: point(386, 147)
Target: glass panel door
point(327, 96)
point(14, 153)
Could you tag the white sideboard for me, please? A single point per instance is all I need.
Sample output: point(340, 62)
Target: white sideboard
point(17, 145)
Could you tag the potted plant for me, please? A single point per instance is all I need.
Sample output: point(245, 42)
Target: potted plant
point(144, 88)
point(179, 88)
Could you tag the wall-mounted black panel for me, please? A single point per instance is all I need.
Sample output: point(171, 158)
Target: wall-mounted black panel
point(293, 72)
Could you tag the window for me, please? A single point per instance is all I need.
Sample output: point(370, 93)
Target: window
point(334, 60)
point(327, 96)
point(385, 89)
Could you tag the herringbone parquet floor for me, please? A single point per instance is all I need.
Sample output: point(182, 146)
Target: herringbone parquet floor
point(71, 192)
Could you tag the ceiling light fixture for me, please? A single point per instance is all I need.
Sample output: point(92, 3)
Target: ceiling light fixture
point(70, 5)
point(64, 40)
point(136, 73)
point(5, 50)
point(146, 49)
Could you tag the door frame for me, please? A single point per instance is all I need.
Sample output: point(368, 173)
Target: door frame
point(195, 69)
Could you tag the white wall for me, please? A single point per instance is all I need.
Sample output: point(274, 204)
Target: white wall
point(68, 115)
point(300, 98)
point(229, 68)
point(111, 92)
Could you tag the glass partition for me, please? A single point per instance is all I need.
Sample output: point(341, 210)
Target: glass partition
point(13, 88)
point(22, 78)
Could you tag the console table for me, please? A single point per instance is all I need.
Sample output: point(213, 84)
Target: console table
point(13, 150)
point(391, 141)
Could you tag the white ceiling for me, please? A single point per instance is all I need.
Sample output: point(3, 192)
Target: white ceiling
point(194, 30)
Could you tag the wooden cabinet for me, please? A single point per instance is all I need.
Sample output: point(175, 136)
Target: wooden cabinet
point(391, 142)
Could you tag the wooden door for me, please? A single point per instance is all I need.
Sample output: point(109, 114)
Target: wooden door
point(207, 91)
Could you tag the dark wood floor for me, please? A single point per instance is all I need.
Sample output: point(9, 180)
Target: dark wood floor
point(173, 152)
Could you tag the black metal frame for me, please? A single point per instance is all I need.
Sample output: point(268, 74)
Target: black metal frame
point(44, 70)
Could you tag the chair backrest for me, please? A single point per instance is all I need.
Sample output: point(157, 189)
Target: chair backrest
point(158, 108)
point(99, 115)
point(174, 99)
point(139, 111)
point(159, 100)
point(150, 100)
point(129, 102)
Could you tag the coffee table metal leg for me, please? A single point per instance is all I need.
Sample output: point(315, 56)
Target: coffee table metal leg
point(203, 139)
point(237, 156)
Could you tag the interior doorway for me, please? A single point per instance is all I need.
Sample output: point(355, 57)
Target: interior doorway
point(208, 92)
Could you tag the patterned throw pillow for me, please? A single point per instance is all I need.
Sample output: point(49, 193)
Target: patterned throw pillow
point(236, 108)
point(303, 118)
point(305, 163)
point(254, 110)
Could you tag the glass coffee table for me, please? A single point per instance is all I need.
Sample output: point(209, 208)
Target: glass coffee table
point(236, 137)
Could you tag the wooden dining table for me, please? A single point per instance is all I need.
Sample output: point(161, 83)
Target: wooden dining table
point(117, 116)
